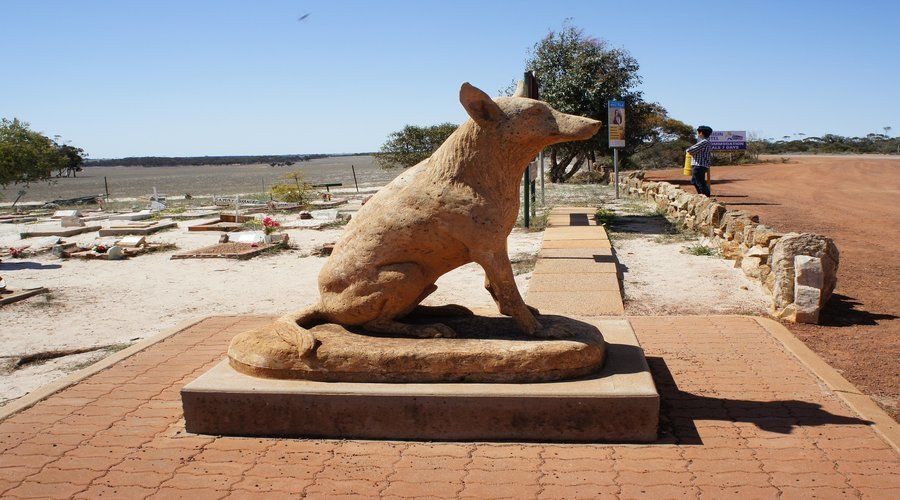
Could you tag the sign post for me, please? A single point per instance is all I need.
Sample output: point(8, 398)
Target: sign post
point(531, 91)
point(616, 126)
point(726, 140)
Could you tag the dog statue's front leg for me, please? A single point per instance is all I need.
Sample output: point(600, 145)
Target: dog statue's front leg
point(502, 285)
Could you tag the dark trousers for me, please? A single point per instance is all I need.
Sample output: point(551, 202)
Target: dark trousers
point(698, 179)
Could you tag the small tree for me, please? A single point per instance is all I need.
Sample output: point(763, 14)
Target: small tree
point(578, 74)
point(292, 188)
point(409, 146)
point(74, 159)
point(27, 156)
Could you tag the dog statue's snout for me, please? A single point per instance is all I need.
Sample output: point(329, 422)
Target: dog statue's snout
point(575, 128)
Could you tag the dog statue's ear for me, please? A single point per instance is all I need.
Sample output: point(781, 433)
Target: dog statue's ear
point(479, 105)
point(520, 89)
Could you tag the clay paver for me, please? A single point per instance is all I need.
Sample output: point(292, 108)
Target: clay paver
point(740, 416)
point(592, 243)
point(598, 254)
point(573, 266)
point(571, 220)
point(585, 282)
point(589, 303)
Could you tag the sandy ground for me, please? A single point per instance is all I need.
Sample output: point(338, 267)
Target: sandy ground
point(856, 201)
point(96, 303)
point(661, 277)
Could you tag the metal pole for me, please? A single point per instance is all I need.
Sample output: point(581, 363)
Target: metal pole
point(533, 198)
point(616, 168)
point(525, 194)
point(541, 160)
point(353, 169)
point(106, 188)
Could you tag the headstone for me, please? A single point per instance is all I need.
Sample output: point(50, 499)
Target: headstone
point(45, 242)
point(115, 252)
point(156, 206)
point(247, 237)
point(66, 213)
point(132, 241)
point(72, 222)
point(143, 214)
point(329, 214)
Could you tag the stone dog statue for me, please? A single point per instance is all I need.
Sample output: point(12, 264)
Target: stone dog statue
point(456, 207)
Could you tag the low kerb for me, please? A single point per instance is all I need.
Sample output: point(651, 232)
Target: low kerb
point(619, 403)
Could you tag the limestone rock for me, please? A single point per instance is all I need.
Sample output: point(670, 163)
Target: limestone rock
point(782, 261)
point(764, 234)
point(808, 272)
point(806, 304)
point(750, 264)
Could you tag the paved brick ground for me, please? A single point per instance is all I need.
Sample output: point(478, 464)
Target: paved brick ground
point(740, 418)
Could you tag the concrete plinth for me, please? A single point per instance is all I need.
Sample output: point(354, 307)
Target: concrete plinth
point(620, 404)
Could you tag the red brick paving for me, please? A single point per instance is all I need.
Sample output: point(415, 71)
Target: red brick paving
point(741, 418)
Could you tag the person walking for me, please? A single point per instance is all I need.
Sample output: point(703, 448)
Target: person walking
point(701, 159)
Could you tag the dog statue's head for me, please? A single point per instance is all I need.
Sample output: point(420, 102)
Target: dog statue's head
point(524, 121)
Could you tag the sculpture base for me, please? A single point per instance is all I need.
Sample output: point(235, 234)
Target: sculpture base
point(618, 404)
point(487, 348)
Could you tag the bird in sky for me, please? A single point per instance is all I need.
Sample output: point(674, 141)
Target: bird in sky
point(303, 17)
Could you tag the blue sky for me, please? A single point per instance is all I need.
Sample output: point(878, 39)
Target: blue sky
point(131, 78)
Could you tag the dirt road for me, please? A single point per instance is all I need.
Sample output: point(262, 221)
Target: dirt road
point(856, 201)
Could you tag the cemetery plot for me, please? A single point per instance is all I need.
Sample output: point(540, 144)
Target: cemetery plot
point(225, 222)
point(16, 218)
point(57, 231)
point(123, 252)
point(140, 228)
point(240, 251)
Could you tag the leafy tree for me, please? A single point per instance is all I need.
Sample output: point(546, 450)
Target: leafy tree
point(73, 157)
point(27, 156)
point(409, 146)
point(578, 74)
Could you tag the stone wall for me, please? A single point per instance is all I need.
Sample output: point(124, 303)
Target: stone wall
point(799, 270)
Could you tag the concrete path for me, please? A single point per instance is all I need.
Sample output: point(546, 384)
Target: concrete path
point(741, 418)
point(576, 272)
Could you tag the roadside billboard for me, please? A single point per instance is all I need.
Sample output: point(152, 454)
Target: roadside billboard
point(616, 124)
point(728, 140)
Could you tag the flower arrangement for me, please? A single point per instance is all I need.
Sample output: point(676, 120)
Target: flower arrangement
point(18, 253)
point(270, 225)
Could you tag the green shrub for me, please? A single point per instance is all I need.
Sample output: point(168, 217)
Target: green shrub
point(604, 217)
point(700, 250)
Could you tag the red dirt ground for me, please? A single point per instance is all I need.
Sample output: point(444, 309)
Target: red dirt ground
point(856, 201)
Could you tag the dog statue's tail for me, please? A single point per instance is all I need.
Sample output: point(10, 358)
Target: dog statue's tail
point(293, 328)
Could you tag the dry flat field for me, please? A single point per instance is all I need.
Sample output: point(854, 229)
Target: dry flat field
point(203, 180)
point(856, 201)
